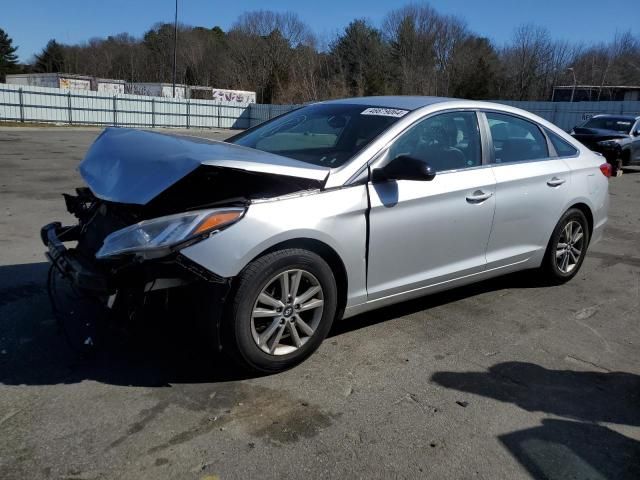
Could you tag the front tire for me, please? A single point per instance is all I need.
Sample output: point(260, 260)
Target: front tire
point(626, 158)
point(616, 167)
point(281, 309)
point(567, 247)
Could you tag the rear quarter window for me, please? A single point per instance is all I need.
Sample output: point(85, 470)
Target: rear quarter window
point(563, 148)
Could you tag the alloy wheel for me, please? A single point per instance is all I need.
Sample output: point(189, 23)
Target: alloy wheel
point(287, 312)
point(570, 246)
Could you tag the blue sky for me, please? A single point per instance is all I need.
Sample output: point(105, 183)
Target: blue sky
point(31, 23)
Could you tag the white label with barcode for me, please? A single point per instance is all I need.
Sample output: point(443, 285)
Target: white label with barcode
point(385, 112)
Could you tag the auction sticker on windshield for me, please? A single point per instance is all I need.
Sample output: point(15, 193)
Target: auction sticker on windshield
point(385, 112)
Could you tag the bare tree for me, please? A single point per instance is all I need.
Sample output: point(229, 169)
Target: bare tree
point(416, 50)
point(411, 33)
point(526, 61)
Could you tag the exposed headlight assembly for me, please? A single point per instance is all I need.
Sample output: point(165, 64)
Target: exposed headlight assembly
point(159, 236)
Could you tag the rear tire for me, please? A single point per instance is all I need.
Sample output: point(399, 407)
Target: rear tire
point(567, 247)
point(281, 309)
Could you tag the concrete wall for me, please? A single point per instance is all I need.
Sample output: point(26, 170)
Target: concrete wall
point(51, 80)
point(164, 90)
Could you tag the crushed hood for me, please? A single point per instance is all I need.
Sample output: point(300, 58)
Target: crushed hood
point(596, 134)
point(134, 166)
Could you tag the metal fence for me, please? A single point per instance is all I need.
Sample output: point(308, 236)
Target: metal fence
point(259, 112)
point(77, 107)
point(567, 115)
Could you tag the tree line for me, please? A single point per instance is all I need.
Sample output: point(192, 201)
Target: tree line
point(415, 51)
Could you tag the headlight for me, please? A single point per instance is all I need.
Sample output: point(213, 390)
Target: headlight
point(155, 238)
point(609, 143)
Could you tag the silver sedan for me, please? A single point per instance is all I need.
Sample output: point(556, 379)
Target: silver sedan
point(327, 212)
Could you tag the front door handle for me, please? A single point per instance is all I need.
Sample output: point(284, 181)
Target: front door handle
point(555, 182)
point(478, 196)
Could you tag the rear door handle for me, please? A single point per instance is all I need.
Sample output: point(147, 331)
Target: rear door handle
point(555, 182)
point(478, 196)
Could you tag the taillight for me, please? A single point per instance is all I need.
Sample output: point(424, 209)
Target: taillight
point(605, 168)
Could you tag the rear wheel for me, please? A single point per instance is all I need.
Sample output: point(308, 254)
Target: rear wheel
point(281, 310)
point(626, 158)
point(567, 247)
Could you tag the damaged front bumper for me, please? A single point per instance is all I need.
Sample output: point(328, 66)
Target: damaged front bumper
point(103, 278)
point(128, 289)
point(71, 266)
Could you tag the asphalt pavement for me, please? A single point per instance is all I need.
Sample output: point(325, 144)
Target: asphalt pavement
point(503, 379)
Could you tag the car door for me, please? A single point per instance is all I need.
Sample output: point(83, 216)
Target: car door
point(532, 189)
point(428, 232)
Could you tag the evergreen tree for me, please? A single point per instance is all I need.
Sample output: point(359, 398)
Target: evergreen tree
point(363, 59)
point(51, 59)
point(8, 57)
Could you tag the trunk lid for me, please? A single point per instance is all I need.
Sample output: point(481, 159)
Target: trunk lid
point(135, 166)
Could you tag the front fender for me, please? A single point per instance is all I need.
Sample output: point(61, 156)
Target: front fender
point(335, 218)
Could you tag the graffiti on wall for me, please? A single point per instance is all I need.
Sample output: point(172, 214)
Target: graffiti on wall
point(110, 87)
point(238, 96)
point(75, 84)
point(154, 90)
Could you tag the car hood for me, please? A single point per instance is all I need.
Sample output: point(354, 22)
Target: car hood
point(596, 134)
point(134, 166)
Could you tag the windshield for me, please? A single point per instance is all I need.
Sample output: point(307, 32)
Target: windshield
point(323, 134)
point(616, 124)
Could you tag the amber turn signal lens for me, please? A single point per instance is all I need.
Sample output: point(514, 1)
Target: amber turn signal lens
point(217, 220)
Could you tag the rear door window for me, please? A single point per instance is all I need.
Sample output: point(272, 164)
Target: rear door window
point(515, 139)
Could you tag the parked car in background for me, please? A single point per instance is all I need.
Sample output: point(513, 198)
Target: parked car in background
point(326, 212)
point(617, 137)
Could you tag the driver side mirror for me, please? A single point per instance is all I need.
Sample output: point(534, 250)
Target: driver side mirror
point(636, 132)
point(404, 168)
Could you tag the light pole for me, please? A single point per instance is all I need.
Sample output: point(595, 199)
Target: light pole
point(175, 48)
point(575, 82)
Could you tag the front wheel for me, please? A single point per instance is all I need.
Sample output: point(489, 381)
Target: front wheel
point(282, 308)
point(616, 167)
point(567, 247)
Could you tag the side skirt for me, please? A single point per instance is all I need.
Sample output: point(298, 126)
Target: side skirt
point(434, 288)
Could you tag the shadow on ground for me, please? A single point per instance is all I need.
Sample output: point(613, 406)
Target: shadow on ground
point(518, 280)
point(34, 350)
point(560, 449)
point(163, 352)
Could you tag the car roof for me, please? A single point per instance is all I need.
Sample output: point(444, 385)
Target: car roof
point(405, 102)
